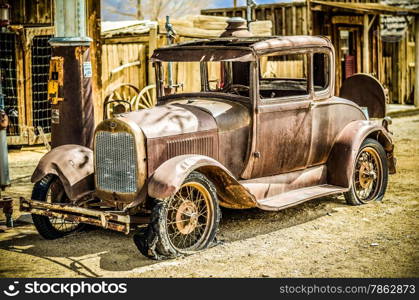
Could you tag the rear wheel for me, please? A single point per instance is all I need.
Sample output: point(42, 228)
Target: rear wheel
point(183, 224)
point(370, 177)
point(50, 189)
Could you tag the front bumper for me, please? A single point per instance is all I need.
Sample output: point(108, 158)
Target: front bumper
point(113, 220)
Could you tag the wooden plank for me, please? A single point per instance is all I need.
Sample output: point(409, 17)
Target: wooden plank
point(304, 19)
point(21, 91)
point(28, 81)
point(126, 39)
point(94, 31)
point(284, 21)
point(416, 99)
point(105, 70)
point(153, 44)
point(365, 46)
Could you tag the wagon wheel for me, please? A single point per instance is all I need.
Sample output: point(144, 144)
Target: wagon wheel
point(146, 98)
point(119, 100)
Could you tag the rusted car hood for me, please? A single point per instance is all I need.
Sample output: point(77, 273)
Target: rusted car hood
point(187, 116)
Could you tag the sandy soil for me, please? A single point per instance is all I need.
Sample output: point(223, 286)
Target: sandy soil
point(321, 238)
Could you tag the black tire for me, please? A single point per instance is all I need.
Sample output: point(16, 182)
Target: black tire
point(156, 241)
point(43, 224)
point(370, 149)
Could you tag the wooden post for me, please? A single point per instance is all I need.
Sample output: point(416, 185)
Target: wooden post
point(309, 18)
point(417, 62)
point(366, 46)
point(93, 31)
point(152, 45)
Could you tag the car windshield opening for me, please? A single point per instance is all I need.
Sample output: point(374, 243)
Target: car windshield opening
point(230, 77)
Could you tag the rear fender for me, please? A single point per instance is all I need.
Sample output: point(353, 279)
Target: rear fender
point(169, 176)
point(73, 164)
point(341, 162)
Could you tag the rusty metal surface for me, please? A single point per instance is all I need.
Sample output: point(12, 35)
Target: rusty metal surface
point(341, 161)
point(206, 53)
point(235, 48)
point(329, 118)
point(228, 115)
point(295, 197)
point(267, 187)
point(160, 150)
point(168, 178)
point(113, 220)
point(73, 164)
point(167, 120)
point(283, 138)
point(366, 91)
point(76, 116)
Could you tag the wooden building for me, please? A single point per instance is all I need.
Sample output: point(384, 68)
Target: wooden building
point(354, 27)
point(24, 61)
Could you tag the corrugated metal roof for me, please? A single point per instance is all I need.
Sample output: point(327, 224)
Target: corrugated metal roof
point(370, 8)
point(393, 28)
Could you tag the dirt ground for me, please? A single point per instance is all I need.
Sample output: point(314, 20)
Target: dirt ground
point(321, 238)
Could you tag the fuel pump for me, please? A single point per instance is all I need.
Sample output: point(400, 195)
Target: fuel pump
point(70, 77)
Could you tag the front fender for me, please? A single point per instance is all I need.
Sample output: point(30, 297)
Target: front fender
point(341, 161)
point(73, 164)
point(169, 176)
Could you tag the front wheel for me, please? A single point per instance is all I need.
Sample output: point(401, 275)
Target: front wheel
point(370, 176)
point(50, 189)
point(183, 224)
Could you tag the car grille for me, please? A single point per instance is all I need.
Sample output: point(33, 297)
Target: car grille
point(116, 162)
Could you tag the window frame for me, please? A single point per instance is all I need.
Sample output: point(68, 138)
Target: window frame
point(308, 96)
point(326, 92)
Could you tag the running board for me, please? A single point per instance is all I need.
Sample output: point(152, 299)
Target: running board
point(298, 196)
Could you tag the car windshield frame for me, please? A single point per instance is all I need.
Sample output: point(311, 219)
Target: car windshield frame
point(200, 55)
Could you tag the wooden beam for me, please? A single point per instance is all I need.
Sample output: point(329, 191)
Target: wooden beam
point(417, 62)
point(151, 47)
point(366, 46)
point(93, 31)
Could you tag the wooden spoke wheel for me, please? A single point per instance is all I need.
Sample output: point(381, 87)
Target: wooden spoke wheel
point(120, 100)
point(185, 223)
point(370, 175)
point(146, 98)
point(188, 222)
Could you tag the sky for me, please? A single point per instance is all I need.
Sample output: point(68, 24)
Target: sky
point(109, 5)
point(229, 3)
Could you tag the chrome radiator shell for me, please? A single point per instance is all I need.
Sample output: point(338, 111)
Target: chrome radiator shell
point(120, 161)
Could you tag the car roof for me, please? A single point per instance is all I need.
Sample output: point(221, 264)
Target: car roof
point(258, 44)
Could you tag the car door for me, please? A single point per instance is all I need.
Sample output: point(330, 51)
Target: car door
point(283, 115)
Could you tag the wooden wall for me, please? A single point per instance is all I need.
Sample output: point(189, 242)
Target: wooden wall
point(30, 12)
point(287, 18)
point(398, 74)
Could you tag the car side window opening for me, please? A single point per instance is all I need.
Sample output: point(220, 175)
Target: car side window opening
point(321, 71)
point(283, 75)
point(214, 76)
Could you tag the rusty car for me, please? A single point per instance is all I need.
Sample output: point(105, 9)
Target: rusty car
point(255, 123)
